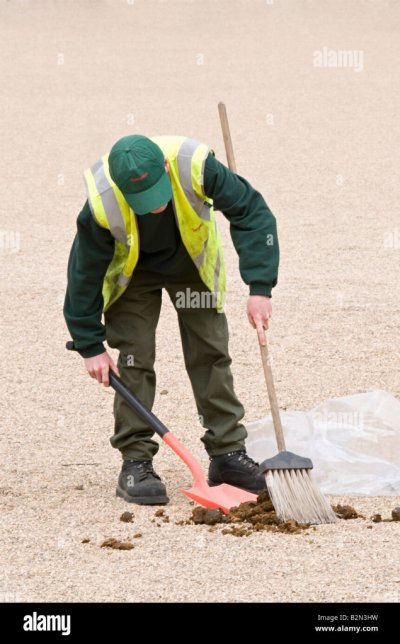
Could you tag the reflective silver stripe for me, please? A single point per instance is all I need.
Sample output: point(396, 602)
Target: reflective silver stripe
point(201, 207)
point(89, 198)
point(110, 203)
point(123, 280)
point(216, 275)
point(204, 209)
point(99, 177)
point(200, 257)
point(217, 264)
point(184, 159)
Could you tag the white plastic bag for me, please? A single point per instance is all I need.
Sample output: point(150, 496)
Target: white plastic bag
point(354, 443)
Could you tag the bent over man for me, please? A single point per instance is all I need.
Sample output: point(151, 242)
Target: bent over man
point(149, 224)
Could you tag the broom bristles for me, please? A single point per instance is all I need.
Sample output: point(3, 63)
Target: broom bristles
point(294, 495)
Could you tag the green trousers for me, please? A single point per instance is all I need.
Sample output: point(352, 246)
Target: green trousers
point(131, 324)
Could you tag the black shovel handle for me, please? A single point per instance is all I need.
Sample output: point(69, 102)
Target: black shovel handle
point(132, 400)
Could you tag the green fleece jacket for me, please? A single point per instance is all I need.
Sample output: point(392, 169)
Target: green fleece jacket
point(253, 231)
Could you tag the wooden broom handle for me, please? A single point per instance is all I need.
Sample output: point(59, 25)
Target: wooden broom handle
point(276, 417)
point(269, 379)
point(223, 116)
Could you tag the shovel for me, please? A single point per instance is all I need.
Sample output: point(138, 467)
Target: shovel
point(222, 496)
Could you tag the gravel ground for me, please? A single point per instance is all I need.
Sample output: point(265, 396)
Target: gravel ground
point(322, 144)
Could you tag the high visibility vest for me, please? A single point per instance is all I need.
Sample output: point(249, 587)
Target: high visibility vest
point(193, 211)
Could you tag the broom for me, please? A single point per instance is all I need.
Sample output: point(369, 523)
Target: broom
point(293, 492)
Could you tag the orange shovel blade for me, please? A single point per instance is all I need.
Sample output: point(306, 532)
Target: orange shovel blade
point(222, 496)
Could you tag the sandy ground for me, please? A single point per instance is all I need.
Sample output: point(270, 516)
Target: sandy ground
point(323, 146)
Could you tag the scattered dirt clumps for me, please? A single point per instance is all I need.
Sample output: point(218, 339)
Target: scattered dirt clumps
point(376, 518)
point(396, 514)
point(208, 516)
point(115, 544)
point(127, 517)
point(247, 518)
point(260, 515)
point(161, 515)
point(346, 512)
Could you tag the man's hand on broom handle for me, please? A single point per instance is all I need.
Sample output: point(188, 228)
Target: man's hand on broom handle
point(259, 310)
point(98, 367)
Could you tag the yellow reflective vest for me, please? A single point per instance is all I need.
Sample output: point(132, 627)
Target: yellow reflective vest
point(193, 211)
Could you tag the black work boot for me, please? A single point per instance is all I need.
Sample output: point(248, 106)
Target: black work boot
point(238, 469)
point(138, 483)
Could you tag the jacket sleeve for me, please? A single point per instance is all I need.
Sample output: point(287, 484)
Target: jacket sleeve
point(90, 256)
point(252, 225)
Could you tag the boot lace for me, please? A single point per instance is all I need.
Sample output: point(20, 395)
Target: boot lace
point(145, 468)
point(244, 458)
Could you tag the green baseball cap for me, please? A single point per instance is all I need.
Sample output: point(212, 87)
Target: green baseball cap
point(137, 167)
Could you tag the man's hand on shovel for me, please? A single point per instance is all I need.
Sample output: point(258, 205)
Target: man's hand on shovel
point(259, 310)
point(98, 367)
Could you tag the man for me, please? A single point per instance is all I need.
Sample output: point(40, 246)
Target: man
point(148, 225)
